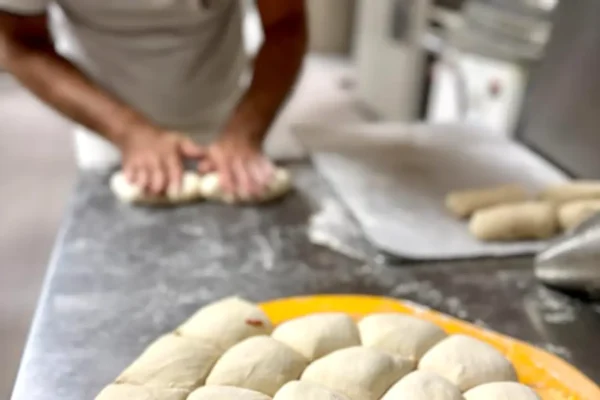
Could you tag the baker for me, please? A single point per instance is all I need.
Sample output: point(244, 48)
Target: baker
point(154, 82)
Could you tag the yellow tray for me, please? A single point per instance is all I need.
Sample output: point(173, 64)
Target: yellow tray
point(551, 377)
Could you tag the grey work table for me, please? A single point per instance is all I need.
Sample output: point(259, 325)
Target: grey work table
point(121, 276)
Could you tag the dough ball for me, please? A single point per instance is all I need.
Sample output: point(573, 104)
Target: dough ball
point(317, 335)
point(421, 385)
point(466, 202)
point(573, 214)
point(226, 393)
point(467, 362)
point(131, 392)
point(502, 391)
point(188, 191)
point(521, 221)
point(299, 390)
point(281, 184)
point(360, 373)
point(571, 191)
point(259, 363)
point(400, 335)
point(172, 362)
point(227, 322)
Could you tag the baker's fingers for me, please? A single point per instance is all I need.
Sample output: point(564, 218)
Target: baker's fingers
point(205, 166)
point(188, 148)
point(158, 177)
point(174, 171)
point(245, 187)
point(130, 172)
point(142, 177)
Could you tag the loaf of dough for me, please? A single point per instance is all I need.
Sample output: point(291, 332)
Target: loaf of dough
point(467, 362)
point(466, 202)
point(361, 373)
point(571, 191)
point(172, 362)
point(259, 363)
point(226, 393)
point(520, 221)
point(227, 322)
point(317, 335)
point(281, 184)
point(422, 385)
point(400, 335)
point(300, 390)
point(502, 391)
point(573, 214)
point(133, 392)
point(127, 192)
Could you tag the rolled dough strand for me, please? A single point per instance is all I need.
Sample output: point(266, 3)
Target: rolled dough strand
point(299, 390)
point(466, 202)
point(226, 393)
point(502, 391)
point(573, 214)
point(133, 392)
point(127, 192)
point(571, 191)
point(422, 385)
point(521, 221)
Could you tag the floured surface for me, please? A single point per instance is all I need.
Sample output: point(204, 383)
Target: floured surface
point(394, 178)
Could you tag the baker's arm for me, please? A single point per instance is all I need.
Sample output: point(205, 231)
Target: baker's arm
point(151, 156)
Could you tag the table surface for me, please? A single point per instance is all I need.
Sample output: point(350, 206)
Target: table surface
point(121, 276)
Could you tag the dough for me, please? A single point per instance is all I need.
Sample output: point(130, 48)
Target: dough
point(189, 191)
point(466, 202)
point(131, 392)
point(400, 335)
point(227, 322)
point(172, 362)
point(467, 362)
point(226, 393)
point(502, 391)
point(571, 215)
point(317, 335)
point(360, 373)
point(210, 187)
point(575, 190)
point(299, 390)
point(421, 385)
point(259, 363)
point(521, 221)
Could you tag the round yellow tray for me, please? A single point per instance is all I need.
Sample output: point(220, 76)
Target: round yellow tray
point(551, 377)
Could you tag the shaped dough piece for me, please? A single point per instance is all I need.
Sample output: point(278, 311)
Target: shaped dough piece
point(521, 221)
point(281, 184)
point(227, 322)
point(573, 214)
point(172, 362)
point(466, 202)
point(299, 390)
point(421, 385)
point(189, 191)
point(467, 362)
point(131, 392)
point(317, 335)
point(502, 391)
point(259, 363)
point(360, 373)
point(571, 191)
point(400, 335)
point(226, 393)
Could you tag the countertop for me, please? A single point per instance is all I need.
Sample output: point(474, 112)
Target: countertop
point(120, 276)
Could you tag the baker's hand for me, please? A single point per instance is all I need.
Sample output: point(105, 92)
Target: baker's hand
point(243, 169)
point(153, 159)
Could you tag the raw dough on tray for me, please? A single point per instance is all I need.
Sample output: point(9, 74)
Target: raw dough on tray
point(300, 390)
point(422, 385)
point(465, 202)
point(571, 191)
point(134, 392)
point(502, 391)
point(226, 393)
point(573, 214)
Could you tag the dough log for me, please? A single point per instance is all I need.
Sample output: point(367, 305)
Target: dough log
point(573, 214)
point(571, 191)
point(502, 391)
point(421, 385)
point(299, 390)
point(189, 191)
point(131, 392)
point(226, 393)
point(466, 202)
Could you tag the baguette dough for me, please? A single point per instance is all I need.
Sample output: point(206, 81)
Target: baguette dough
point(520, 221)
point(466, 202)
point(571, 191)
point(259, 363)
point(226, 393)
point(131, 392)
point(421, 385)
point(172, 362)
point(573, 214)
point(399, 335)
point(361, 373)
point(467, 362)
point(189, 191)
point(502, 391)
point(317, 335)
point(299, 390)
point(227, 322)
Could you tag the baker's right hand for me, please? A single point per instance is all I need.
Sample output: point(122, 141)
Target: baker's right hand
point(153, 159)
